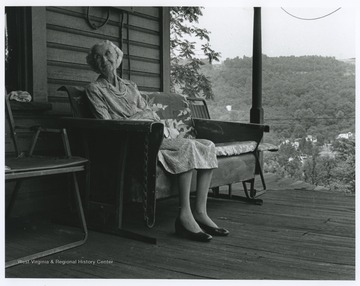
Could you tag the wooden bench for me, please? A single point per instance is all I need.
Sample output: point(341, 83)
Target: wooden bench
point(141, 177)
point(200, 110)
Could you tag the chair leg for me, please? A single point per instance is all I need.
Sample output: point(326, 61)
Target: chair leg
point(70, 194)
point(260, 171)
point(120, 184)
point(246, 191)
point(13, 198)
point(63, 247)
point(249, 194)
point(80, 209)
point(216, 191)
point(87, 186)
point(262, 178)
point(230, 190)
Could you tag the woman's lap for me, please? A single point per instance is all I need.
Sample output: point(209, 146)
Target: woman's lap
point(181, 154)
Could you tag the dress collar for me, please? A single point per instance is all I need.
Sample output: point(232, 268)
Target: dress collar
point(104, 82)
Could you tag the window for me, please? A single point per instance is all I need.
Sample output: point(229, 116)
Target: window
point(18, 65)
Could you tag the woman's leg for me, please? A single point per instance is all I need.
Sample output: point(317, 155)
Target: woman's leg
point(203, 183)
point(185, 214)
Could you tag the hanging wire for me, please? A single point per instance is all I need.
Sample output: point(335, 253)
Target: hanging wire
point(310, 19)
point(121, 40)
point(121, 22)
point(128, 44)
point(312, 118)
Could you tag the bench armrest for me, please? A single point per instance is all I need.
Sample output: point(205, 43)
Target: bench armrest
point(138, 141)
point(228, 131)
point(142, 126)
point(153, 132)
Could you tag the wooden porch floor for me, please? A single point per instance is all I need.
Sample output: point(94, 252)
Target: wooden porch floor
point(297, 234)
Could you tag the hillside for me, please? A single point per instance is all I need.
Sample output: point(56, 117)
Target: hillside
point(308, 95)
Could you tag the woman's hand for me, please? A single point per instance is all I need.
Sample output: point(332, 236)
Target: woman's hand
point(145, 115)
point(171, 132)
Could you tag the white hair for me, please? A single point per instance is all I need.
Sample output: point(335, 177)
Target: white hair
point(90, 59)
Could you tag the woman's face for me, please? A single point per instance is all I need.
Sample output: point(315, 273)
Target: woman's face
point(105, 57)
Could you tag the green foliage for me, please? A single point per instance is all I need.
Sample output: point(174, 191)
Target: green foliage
point(345, 167)
point(308, 95)
point(335, 172)
point(286, 162)
point(186, 75)
point(319, 170)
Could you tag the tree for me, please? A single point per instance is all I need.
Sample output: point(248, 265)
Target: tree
point(312, 168)
point(318, 169)
point(299, 131)
point(186, 76)
point(286, 162)
point(344, 172)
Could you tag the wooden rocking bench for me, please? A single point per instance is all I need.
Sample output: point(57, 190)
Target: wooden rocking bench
point(147, 181)
point(200, 110)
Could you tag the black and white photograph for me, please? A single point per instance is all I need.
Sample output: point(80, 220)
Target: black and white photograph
point(179, 142)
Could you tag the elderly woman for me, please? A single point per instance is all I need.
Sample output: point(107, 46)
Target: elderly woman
point(112, 97)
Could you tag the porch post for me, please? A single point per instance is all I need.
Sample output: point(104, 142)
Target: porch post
point(39, 53)
point(257, 112)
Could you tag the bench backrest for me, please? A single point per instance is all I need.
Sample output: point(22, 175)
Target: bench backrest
point(198, 108)
point(173, 109)
point(166, 105)
point(80, 105)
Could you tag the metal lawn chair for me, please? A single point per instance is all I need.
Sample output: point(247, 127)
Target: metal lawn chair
point(28, 166)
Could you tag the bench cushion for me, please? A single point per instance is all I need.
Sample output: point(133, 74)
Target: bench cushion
point(231, 170)
point(173, 110)
point(268, 147)
point(234, 148)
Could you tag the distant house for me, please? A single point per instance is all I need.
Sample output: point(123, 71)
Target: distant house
point(347, 135)
point(327, 152)
point(295, 144)
point(311, 139)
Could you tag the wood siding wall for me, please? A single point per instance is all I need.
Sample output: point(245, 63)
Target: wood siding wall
point(137, 31)
point(61, 38)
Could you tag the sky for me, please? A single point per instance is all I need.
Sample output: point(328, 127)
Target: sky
point(231, 24)
point(282, 35)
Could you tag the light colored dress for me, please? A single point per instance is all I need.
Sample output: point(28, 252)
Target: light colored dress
point(124, 101)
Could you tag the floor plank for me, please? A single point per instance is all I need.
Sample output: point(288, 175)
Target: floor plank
point(297, 234)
